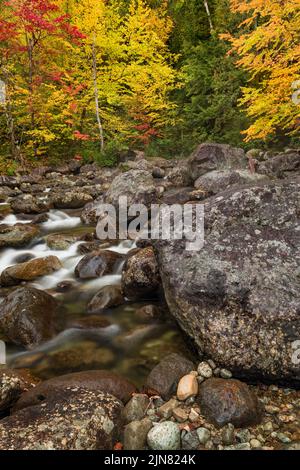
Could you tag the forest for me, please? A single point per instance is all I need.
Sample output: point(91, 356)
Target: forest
point(91, 79)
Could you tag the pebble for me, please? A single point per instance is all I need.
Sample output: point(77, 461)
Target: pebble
point(225, 374)
point(193, 416)
point(268, 427)
point(283, 438)
point(205, 370)
point(164, 436)
point(180, 415)
point(217, 372)
point(272, 409)
point(190, 441)
point(209, 445)
point(187, 387)
point(228, 435)
point(294, 446)
point(255, 444)
point(243, 435)
point(166, 410)
point(211, 363)
point(203, 435)
point(244, 446)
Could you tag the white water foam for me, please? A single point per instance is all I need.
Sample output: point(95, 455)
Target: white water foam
point(60, 220)
point(69, 257)
point(11, 219)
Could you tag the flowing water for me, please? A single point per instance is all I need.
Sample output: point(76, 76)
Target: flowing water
point(125, 344)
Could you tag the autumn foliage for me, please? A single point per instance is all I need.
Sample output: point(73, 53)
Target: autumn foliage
point(268, 47)
point(84, 77)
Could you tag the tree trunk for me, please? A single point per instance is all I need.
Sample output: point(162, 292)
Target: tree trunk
point(96, 92)
point(30, 46)
point(9, 118)
point(209, 16)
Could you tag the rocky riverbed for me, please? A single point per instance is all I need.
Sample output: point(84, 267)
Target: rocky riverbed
point(133, 344)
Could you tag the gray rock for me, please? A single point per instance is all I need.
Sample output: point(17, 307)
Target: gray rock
point(136, 408)
point(190, 441)
point(283, 165)
point(283, 438)
point(164, 436)
point(228, 434)
point(211, 157)
point(164, 378)
point(203, 435)
point(225, 374)
point(204, 370)
point(166, 410)
point(179, 195)
point(135, 434)
point(220, 180)
point(245, 446)
point(236, 298)
point(180, 176)
point(137, 185)
point(243, 435)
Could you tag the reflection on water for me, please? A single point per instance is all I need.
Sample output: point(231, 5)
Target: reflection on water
point(118, 340)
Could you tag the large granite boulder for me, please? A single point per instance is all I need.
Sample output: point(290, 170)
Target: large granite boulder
point(210, 157)
point(239, 297)
point(219, 180)
point(76, 418)
point(283, 165)
point(137, 185)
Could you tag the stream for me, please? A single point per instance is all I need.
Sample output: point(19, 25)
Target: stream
point(126, 344)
